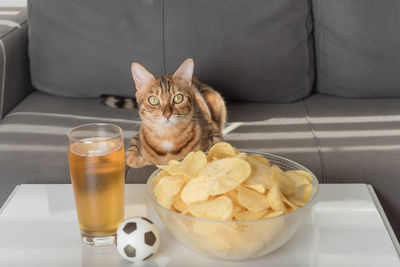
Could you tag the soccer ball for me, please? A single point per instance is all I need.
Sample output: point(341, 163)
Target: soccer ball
point(137, 239)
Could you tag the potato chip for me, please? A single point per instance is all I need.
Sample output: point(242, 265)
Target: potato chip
point(246, 215)
point(233, 194)
point(163, 167)
point(194, 192)
point(276, 168)
point(178, 204)
point(261, 159)
point(271, 214)
point(167, 167)
point(296, 201)
point(299, 177)
point(274, 197)
point(241, 155)
point(289, 203)
point(307, 189)
point(223, 175)
point(166, 189)
point(236, 210)
point(212, 197)
point(257, 187)
point(173, 162)
point(287, 186)
point(218, 209)
point(301, 195)
point(252, 200)
point(260, 174)
point(158, 177)
point(190, 165)
point(187, 213)
point(221, 150)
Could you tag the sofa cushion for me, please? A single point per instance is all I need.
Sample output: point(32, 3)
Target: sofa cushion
point(85, 48)
point(251, 50)
point(357, 47)
point(33, 141)
point(360, 143)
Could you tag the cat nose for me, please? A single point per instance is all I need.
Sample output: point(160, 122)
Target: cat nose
point(167, 115)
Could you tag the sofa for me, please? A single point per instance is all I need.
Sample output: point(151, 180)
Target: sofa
point(316, 81)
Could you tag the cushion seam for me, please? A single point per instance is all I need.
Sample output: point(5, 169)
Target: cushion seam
point(308, 52)
point(163, 34)
point(321, 156)
point(321, 33)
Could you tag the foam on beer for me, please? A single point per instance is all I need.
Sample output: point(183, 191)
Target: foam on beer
point(95, 147)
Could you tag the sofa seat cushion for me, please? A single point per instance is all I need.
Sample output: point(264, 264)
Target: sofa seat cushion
point(33, 141)
point(280, 129)
point(360, 143)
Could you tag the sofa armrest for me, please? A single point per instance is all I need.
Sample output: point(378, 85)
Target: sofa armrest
point(15, 82)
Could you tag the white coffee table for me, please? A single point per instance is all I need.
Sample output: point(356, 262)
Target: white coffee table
point(347, 227)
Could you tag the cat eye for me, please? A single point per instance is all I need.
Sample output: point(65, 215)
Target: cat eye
point(178, 99)
point(153, 100)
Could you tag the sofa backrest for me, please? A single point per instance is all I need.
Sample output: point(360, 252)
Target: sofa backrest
point(357, 47)
point(249, 50)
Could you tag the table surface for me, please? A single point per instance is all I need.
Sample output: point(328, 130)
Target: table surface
point(346, 227)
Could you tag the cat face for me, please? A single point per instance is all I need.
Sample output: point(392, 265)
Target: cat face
point(165, 100)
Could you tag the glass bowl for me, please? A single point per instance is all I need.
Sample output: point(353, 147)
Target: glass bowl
point(236, 240)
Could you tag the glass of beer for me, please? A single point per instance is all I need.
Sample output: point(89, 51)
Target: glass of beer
point(97, 167)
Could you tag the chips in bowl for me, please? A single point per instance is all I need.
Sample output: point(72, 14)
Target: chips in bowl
point(228, 185)
point(232, 205)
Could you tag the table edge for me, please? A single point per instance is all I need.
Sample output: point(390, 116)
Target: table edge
point(16, 188)
point(384, 218)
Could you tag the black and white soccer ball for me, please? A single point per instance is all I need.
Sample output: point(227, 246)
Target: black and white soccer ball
point(137, 239)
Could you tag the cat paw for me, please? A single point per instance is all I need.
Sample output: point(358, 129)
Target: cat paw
point(135, 161)
point(216, 139)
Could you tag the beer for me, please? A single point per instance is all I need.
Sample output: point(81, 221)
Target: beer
point(97, 168)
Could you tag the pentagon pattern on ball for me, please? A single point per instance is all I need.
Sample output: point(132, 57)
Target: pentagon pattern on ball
point(130, 227)
point(130, 251)
point(149, 238)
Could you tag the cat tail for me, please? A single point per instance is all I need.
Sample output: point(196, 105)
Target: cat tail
point(118, 101)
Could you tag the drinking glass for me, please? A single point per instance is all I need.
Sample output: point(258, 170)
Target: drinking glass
point(97, 168)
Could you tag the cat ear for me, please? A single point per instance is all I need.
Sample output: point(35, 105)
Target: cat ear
point(141, 76)
point(185, 72)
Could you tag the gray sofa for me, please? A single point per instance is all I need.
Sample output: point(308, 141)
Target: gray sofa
point(317, 81)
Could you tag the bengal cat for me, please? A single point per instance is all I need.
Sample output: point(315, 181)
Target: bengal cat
point(179, 114)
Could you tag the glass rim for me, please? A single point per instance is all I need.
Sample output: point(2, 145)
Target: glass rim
point(95, 124)
point(308, 204)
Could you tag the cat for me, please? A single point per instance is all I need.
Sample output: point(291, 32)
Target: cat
point(179, 114)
